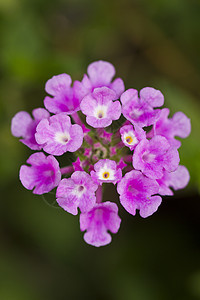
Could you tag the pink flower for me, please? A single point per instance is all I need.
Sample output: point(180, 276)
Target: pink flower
point(65, 97)
point(77, 191)
point(140, 111)
point(100, 75)
point(43, 174)
point(58, 135)
point(97, 222)
point(179, 125)
point(99, 108)
point(24, 126)
point(154, 156)
point(131, 137)
point(106, 170)
point(136, 192)
point(177, 180)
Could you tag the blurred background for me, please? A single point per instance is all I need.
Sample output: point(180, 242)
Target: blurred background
point(42, 253)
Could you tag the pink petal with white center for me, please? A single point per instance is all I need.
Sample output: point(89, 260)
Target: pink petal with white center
point(106, 171)
point(77, 191)
point(132, 136)
point(58, 135)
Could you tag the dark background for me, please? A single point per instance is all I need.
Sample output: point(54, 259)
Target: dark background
point(42, 253)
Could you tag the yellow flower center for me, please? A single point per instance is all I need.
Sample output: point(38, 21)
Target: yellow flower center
point(129, 139)
point(106, 175)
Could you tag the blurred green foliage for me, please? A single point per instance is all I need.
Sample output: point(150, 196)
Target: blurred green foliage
point(151, 43)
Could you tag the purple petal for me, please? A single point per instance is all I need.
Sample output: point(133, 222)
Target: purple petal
point(80, 91)
point(118, 86)
point(98, 123)
point(154, 97)
point(77, 191)
point(88, 104)
point(40, 113)
point(104, 95)
point(114, 110)
point(141, 148)
point(182, 125)
point(172, 159)
point(27, 177)
point(134, 182)
point(43, 174)
point(101, 218)
point(58, 135)
point(178, 179)
point(20, 124)
point(101, 73)
point(23, 125)
point(150, 206)
point(76, 138)
point(129, 95)
point(57, 84)
point(65, 199)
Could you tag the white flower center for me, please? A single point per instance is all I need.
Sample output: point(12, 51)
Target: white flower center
point(106, 174)
point(79, 190)
point(62, 137)
point(100, 111)
point(136, 113)
point(148, 157)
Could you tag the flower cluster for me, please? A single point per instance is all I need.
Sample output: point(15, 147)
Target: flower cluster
point(116, 137)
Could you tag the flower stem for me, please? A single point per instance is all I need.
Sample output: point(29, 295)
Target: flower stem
point(99, 194)
point(66, 170)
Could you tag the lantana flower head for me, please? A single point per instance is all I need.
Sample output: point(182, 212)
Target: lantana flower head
point(110, 136)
